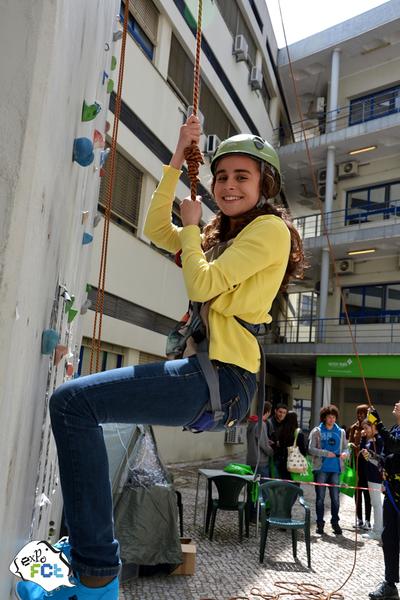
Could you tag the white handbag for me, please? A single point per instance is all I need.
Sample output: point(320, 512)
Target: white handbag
point(296, 462)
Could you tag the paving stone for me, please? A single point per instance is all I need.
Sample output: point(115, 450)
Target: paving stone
point(225, 568)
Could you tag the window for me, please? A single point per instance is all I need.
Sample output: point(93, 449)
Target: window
point(111, 357)
point(256, 15)
point(372, 303)
point(373, 203)
point(265, 93)
point(126, 193)
point(237, 25)
point(143, 24)
point(180, 76)
point(373, 106)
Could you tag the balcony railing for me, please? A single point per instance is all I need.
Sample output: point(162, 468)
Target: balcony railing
point(367, 108)
point(340, 221)
point(385, 329)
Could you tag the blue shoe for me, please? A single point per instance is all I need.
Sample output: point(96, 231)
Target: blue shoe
point(26, 590)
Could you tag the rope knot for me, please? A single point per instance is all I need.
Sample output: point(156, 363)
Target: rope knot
point(194, 159)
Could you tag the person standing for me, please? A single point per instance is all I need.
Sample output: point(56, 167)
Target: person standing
point(265, 446)
point(371, 448)
point(328, 447)
point(355, 436)
point(275, 423)
point(288, 433)
point(387, 589)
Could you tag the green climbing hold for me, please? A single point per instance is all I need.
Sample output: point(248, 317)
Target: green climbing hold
point(72, 314)
point(113, 62)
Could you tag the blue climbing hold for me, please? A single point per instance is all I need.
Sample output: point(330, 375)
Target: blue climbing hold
point(83, 151)
point(87, 238)
point(50, 339)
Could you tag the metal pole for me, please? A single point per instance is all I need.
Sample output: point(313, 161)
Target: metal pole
point(334, 90)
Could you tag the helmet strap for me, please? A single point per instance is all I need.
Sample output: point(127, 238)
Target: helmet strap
point(262, 200)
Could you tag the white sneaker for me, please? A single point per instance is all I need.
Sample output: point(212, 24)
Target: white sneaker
point(367, 525)
point(372, 535)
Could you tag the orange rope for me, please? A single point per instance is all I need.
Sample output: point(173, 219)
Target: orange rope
point(193, 155)
point(98, 317)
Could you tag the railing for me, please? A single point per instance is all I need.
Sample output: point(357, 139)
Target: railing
point(361, 110)
point(384, 329)
point(344, 220)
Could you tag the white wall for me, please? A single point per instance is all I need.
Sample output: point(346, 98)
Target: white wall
point(52, 57)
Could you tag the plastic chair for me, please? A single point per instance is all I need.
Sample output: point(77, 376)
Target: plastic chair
point(229, 488)
point(281, 497)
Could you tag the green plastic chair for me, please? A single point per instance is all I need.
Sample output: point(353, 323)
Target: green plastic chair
point(229, 488)
point(281, 497)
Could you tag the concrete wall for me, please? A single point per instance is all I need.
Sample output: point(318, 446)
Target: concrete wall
point(52, 57)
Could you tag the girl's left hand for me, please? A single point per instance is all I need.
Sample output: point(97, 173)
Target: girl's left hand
point(191, 211)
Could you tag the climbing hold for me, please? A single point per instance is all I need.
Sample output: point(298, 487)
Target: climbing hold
point(72, 314)
point(90, 111)
point(85, 306)
point(88, 288)
point(69, 301)
point(97, 219)
point(60, 352)
point(104, 154)
point(98, 140)
point(106, 46)
point(102, 172)
point(117, 35)
point(69, 369)
point(110, 86)
point(105, 76)
point(50, 339)
point(113, 63)
point(83, 151)
point(85, 216)
point(87, 238)
point(107, 127)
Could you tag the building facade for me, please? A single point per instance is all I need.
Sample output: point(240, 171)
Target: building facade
point(346, 80)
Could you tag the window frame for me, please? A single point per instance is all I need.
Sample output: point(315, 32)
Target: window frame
point(389, 208)
point(371, 101)
point(368, 317)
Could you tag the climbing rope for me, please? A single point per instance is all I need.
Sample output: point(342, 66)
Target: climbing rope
point(98, 316)
point(193, 155)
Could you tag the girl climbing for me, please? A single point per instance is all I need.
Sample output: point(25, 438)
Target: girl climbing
point(260, 252)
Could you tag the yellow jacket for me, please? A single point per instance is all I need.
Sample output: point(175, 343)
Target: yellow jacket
point(242, 282)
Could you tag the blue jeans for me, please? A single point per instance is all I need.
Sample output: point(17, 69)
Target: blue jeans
point(322, 477)
point(166, 393)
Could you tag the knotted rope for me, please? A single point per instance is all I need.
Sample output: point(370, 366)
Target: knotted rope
point(193, 155)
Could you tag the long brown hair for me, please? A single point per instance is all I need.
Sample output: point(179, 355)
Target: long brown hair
point(219, 228)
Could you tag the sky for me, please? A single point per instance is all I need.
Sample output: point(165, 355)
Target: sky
point(305, 17)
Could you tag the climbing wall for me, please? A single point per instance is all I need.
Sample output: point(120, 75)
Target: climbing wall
point(58, 59)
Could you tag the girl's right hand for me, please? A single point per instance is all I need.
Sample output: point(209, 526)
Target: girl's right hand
point(188, 133)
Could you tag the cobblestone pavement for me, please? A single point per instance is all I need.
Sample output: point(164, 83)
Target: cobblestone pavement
point(225, 568)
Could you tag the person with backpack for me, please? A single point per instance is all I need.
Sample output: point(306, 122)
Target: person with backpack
point(261, 250)
point(328, 448)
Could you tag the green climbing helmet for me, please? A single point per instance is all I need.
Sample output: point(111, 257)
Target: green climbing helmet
point(246, 143)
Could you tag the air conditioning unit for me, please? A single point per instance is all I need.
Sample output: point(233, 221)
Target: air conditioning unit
point(200, 115)
point(256, 79)
point(344, 266)
point(321, 175)
point(322, 191)
point(212, 143)
point(320, 104)
point(235, 435)
point(348, 169)
point(240, 48)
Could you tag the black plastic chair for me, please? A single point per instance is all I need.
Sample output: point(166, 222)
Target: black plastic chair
point(277, 502)
point(229, 488)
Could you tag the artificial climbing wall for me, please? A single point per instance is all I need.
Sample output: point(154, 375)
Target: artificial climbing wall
point(54, 54)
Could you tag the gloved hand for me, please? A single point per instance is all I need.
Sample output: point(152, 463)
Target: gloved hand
point(373, 416)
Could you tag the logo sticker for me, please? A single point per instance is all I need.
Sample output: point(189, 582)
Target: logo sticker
point(43, 564)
